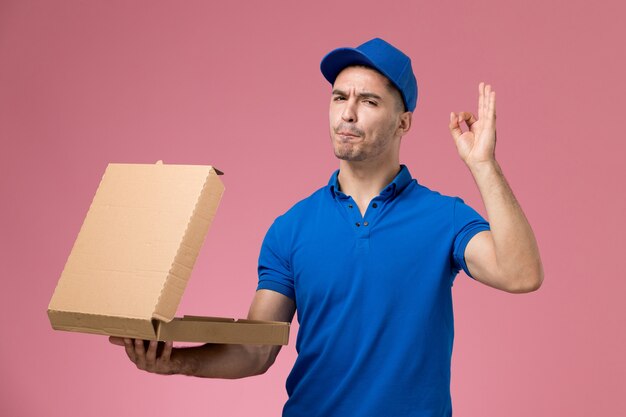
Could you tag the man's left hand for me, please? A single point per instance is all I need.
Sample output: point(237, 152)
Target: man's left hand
point(478, 143)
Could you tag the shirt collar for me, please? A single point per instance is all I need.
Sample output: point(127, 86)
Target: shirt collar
point(395, 187)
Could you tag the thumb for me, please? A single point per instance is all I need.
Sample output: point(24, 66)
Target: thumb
point(455, 128)
point(116, 340)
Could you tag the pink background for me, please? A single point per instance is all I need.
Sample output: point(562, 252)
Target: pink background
point(237, 85)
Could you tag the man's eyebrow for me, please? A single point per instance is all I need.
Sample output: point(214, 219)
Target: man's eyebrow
point(364, 94)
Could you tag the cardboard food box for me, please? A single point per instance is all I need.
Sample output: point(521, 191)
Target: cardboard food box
point(134, 255)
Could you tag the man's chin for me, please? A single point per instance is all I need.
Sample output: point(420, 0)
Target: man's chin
point(349, 156)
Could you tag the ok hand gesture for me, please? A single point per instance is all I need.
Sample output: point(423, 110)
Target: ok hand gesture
point(478, 143)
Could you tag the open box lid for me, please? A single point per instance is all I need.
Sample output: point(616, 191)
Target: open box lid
point(135, 251)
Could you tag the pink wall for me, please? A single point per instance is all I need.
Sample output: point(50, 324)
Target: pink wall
point(237, 86)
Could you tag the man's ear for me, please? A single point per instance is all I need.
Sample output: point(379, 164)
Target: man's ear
point(405, 122)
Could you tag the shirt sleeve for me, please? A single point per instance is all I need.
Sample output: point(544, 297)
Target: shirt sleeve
point(274, 269)
point(467, 222)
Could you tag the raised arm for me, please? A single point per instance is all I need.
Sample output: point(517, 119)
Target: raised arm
point(214, 360)
point(507, 257)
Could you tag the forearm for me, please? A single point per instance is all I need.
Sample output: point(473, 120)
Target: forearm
point(222, 360)
point(209, 361)
point(515, 247)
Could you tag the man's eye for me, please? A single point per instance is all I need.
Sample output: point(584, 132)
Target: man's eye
point(371, 102)
point(339, 98)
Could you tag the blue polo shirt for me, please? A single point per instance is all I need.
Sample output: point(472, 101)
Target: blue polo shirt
point(373, 298)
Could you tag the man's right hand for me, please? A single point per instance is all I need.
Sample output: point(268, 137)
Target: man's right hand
point(214, 360)
point(150, 356)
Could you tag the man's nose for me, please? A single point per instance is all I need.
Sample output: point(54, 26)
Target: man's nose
point(349, 112)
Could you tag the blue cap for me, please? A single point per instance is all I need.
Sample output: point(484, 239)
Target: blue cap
point(384, 58)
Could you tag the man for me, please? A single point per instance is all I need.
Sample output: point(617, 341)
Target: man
point(369, 260)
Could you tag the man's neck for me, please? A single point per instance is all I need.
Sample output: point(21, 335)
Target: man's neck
point(365, 180)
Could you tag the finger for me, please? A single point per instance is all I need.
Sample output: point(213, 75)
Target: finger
point(491, 111)
point(151, 353)
point(167, 351)
point(116, 340)
point(481, 99)
point(130, 350)
point(140, 354)
point(139, 347)
point(468, 118)
point(486, 100)
point(455, 128)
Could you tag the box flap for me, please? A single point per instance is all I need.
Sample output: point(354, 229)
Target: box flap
point(137, 246)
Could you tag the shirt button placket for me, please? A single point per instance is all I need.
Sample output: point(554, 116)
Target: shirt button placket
point(370, 213)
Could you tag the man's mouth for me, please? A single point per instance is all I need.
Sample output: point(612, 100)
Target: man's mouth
point(348, 131)
point(343, 133)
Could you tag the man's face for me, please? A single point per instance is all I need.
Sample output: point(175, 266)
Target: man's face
point(364, 116)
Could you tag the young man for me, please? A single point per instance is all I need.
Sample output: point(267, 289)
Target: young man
point(369, 260)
